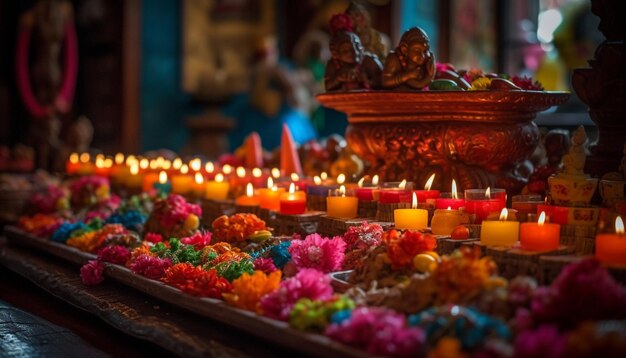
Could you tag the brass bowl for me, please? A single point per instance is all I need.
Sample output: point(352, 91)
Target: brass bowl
point(479, 138)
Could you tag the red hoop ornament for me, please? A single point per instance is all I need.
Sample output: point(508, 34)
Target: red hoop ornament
point(66, 93)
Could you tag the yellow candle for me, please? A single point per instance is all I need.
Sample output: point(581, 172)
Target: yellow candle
point(611, 247)
point(85, 167)
point(198, 185)
point(445, 221)
point(217, 189)
point(413, 219)
point(342, 206)
point(499, 233)
point(182, 182)
point(249, 199)
point(134, 179)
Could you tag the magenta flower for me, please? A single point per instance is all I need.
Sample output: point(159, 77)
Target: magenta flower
point(264, 264)
point(153, 237)
point(150, 266)
point(199, 240)
point(319, 253)
point(92, 273)
point(307, 283)
point(114, 254)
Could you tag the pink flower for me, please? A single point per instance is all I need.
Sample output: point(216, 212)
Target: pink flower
point(380, 331)
point(264, 264)
point(92, 273)
point(199, 240)
point(307, 283)
point(363, 237)
point(115, 254)
point(153, 237)
point(545, 341)
point(320, 253)
point(340, 22)
point(178, 209)
point(150, 266)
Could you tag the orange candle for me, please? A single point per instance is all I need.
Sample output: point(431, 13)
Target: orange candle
point(611, 247)
point(198, 186)
point(72, 164)
point(342, 206)
point(269, 197)
point(249, 199)
point(293, 202)
point(182, 182)
point(148, 181)
point(134, 179)
point(540, 236)
point(85, 167)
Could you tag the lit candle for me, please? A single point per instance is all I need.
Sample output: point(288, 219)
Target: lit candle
point(217, 189)
point(85, 167)
point(181, 181)
point(394, 196)
point(100, 168)
point(499, 233)
point(557, 214)
point(413, 219)
point(484, 202)
point(270, 197)
point(135, 179)
point(342, 206)
point(249, 199)
point(258, 177)
point(195, 164)
point(72, 164)
point(369, 193)
point(319, 188)
point(611, 247)
point(198, 187)
point(445, 221)
point(293, 202)
point(427, 195)
point(450, 200)
point(540, 236)
point(148, 181)
point(163, 185)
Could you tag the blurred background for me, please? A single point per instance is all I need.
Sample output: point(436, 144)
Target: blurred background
point(196, 76)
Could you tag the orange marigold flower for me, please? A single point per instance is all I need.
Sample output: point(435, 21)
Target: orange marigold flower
point(248, 289)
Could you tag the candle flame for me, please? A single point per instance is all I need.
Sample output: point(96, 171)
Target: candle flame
point(219, 177)
point(108, 163)
point(209, 167)
point(162, 177)
point(195, 164)
point(455, 195)
point(360, 183)
point(276, 173)
point(504, 214)
point(324, 175)
point(274, 188)
point(143, 163)
point(130, 160)
point(119, 158)
point(429, 182)
point(375, 180)
point(100, 156)
point(256, 172)
point(177, 163)
point(449, 208)
point(134, 169)
point(84, 158)
point(241, 172)
point(402, 184)
point(249, 190)
point(99, 162)
point(199, 178)
point(295, 177)
point(488, 193)
point(292, 188)
point(341, 178)
point(414, 201)
point(342, 190)
point(227, 169)
point(167, 164)
point(153, 164)
point(619, 225)
point(542, 218)
point(270, 182)
point(74, 158)
point(317, 180)
point(184, 169)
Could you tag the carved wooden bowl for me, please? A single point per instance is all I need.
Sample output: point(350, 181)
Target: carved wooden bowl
point(479, 138)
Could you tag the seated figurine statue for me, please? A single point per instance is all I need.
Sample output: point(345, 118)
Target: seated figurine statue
point(412, 65)
point(350, 66)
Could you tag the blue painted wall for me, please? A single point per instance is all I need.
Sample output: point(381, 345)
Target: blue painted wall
point(164, 106)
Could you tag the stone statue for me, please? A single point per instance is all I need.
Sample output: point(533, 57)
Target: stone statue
point(350, 66)
point(371, 39)
point(412, 65)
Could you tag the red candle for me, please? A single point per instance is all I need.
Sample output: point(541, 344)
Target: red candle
point(368, 193)
point(394, 196)
point(611, 247)
point(540, 236)
point(450, 200)
point(484, 202)
point(427, 195)
point(557, 214)
point(293, 202)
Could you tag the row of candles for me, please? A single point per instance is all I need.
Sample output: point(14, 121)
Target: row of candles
point(270, 189)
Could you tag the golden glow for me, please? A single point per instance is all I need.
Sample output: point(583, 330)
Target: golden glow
point(488, 193)
point(375, 180)
point(360, 183)
point(455, 195)
point(219, 178)
point(153, 164)
point(195, 164)
point(256, 172)
point(295, 177)
point(270, 182)
point(162, 177)
point(619, 225)
point(414, 201)
point(167, 164)
point(99, 162)
point(119, 158)
point(184, 169)
point(241, 172)
point(317, 180)
point(342, 190)
point(341, 178)
point(134, 169)
point(199, 178)
point(227, 169)
point(276, 173)
point(504, 214)
point(324, 175)
point(292, 188)
point(84, 158)
point(209, 167)
point(177, 163)
point(429, 182)
point(542, 218)
point(108, 163)
point(74, 158)
point(402, 184)
point(249, 190)
point(143, 163)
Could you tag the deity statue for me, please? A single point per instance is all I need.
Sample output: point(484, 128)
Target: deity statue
point(372, 40)
point(350, 66)
point(412, 65)
point(48, 30)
